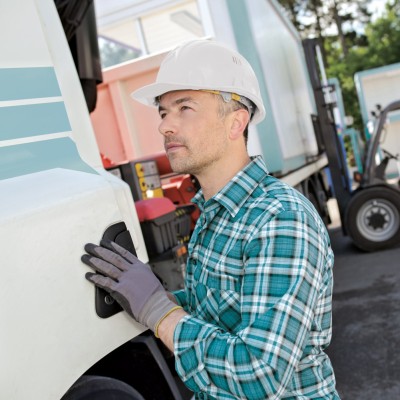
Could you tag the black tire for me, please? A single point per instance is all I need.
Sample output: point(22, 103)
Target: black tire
point(317, 196)
point(373, 218)
point(101, 388)
point(321, 210)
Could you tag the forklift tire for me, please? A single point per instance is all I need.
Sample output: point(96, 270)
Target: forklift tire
point(373, 218)
point(101, 388)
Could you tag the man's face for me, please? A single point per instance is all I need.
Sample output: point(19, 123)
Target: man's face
point(195, 134)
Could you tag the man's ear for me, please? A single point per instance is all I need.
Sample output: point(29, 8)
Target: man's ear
point(240, 119)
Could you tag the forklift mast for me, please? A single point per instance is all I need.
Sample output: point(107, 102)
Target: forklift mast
point(324, 123)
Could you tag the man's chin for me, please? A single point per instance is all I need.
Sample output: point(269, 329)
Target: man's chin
point(178, 169)
point(179, 166)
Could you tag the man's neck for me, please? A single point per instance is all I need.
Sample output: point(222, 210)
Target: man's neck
point(214, 179)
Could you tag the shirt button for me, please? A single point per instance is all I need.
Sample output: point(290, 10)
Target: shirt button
point(193, 261)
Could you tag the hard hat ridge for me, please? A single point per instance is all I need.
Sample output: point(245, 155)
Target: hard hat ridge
point(205, 65)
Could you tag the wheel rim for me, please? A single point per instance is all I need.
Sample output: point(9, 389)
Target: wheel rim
point(378, 220)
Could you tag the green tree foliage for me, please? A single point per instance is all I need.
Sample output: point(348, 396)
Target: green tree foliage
point(383, 37)
point(313, 18)
point(381, 47)
point(293, 8)
point(358, 43)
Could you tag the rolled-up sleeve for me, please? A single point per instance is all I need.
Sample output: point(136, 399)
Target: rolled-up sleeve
point(285, 280)
point(180, 296)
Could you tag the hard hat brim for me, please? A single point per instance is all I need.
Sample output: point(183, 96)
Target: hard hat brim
point(148, 94)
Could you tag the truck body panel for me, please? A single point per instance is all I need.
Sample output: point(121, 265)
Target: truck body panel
point(278, 58)
point(126, 129)
point(55, 198)
point(49, 305)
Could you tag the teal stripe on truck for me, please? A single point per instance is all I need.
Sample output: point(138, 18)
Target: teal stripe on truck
point(27, 158)
point(33, 120)
point(28, 83)
point(241, 22)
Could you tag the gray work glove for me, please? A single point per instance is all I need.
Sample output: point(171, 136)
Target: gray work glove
point(129, 281)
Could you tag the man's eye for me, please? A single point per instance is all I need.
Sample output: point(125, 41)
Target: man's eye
point(183, 108)
point(162, 115)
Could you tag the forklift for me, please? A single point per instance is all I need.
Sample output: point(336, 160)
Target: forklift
point(370, 211)
point(373, 214)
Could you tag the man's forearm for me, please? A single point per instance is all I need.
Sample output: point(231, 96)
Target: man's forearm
point(167, 326)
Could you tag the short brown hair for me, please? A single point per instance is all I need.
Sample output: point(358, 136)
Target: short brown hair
point(226, 108)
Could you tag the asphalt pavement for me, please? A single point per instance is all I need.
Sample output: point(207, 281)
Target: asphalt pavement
point(365, 348)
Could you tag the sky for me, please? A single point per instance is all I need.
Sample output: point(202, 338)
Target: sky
point(377, 7)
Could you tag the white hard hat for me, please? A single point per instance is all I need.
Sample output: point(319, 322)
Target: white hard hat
point(205, 65)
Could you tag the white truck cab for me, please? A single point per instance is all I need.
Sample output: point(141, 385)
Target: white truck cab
point(55, 197)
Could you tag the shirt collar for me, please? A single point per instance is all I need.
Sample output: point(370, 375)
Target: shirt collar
point(235, 193)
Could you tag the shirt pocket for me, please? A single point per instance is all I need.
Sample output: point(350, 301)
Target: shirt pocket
point(218, 298)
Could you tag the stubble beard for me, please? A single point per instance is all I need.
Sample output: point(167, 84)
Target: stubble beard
point(184, 161)
point(183, 164)
point(192, 163)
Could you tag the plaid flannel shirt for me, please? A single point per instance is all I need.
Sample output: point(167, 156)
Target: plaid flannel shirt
point(258, 289)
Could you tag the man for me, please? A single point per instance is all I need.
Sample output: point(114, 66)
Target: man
point(255, 315)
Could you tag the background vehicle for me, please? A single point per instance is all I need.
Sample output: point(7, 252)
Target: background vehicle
point(376, 89)
point(372, 211)
point(373, 214)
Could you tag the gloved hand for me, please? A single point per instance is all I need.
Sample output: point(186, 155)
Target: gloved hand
point(129, 281)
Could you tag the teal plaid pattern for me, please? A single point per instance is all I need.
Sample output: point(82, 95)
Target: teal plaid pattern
point(258, 289)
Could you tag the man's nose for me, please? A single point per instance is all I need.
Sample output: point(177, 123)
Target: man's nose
point(167, 126)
